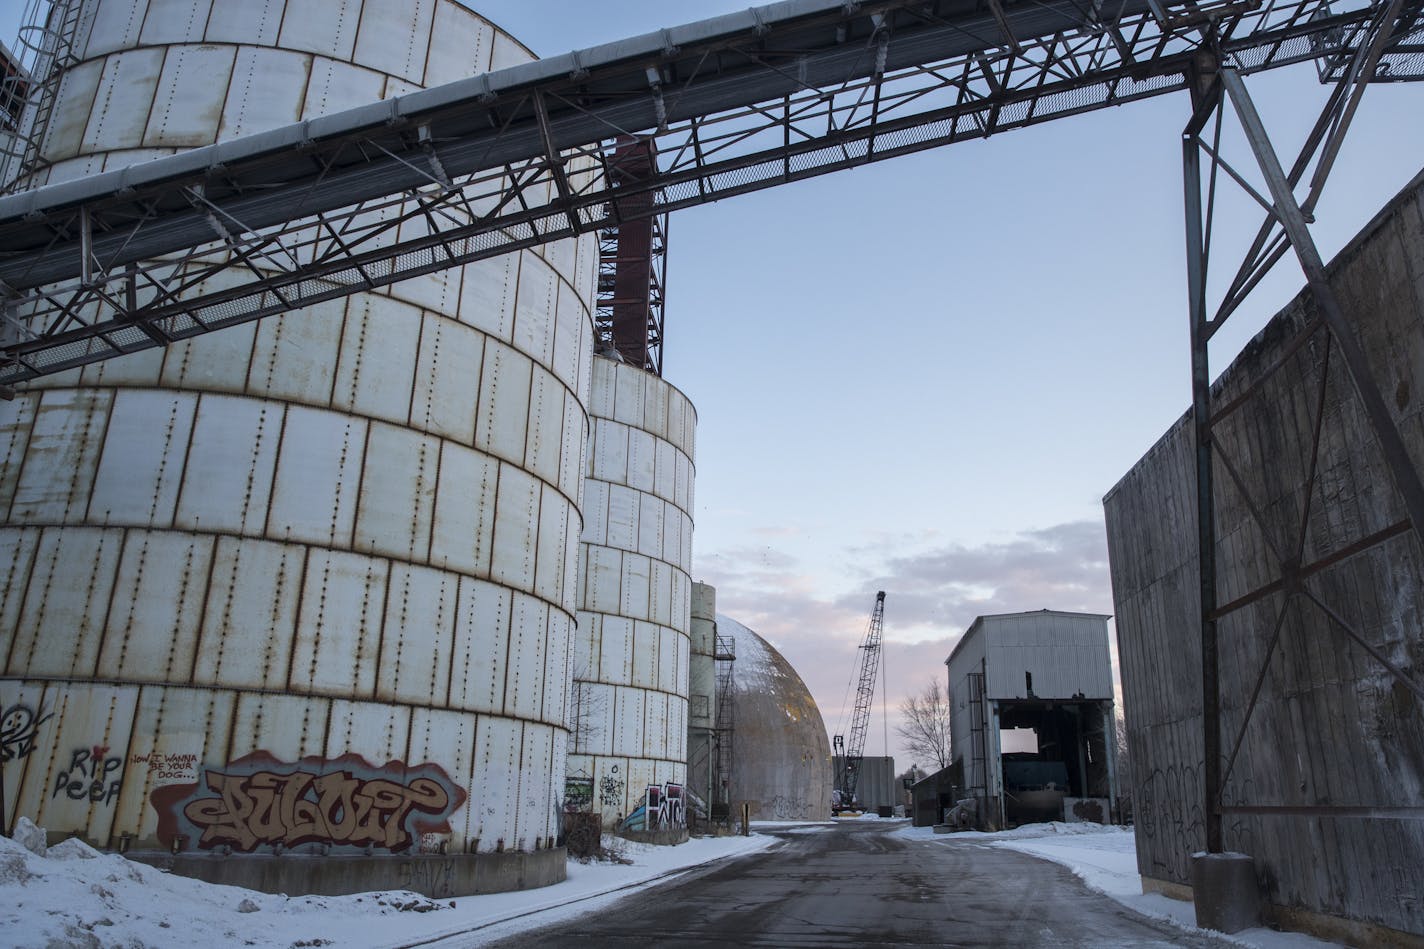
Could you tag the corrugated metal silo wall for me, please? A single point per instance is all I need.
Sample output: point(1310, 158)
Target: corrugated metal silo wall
point(1333, 728)
point(632, 650)
point(344, 539)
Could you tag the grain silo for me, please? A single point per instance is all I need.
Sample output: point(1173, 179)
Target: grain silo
point(632, 650)
point(328, 557)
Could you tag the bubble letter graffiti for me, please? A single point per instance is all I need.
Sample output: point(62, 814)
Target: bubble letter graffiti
point(344, 802)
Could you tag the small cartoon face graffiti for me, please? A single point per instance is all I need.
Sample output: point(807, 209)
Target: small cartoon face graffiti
point(19, 724)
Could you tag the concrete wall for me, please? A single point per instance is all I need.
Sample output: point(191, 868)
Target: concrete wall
point(438, 876)
point(1332, 729)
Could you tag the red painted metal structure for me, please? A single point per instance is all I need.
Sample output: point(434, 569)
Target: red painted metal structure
point(632, 261)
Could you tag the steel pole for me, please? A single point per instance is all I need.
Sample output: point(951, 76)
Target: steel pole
point(1206, 522)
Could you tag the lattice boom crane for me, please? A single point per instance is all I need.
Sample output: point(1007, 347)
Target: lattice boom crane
point(854, 753)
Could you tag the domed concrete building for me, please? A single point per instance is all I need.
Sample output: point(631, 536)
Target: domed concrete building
point(781, 762)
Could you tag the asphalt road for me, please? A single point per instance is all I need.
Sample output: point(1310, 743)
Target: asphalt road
point(863, 885)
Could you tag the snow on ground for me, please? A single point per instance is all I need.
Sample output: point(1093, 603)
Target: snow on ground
point(792, 826)
point(1105, 858)
point(77, 896)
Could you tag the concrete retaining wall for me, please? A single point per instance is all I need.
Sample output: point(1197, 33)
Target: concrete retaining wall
point(1332, 729)
point(434, 875)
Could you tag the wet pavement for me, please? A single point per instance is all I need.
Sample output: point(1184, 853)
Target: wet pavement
point(862, 884)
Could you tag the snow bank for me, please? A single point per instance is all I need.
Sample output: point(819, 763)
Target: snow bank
point(1105, 858)
point(76, 896)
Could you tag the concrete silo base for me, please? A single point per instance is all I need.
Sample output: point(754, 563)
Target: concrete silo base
point(664, 838)
point(434, 875)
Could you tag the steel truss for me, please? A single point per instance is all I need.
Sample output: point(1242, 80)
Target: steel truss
point(1218, 86)
point(632, 277)
point(207, 239)
point(648, 352)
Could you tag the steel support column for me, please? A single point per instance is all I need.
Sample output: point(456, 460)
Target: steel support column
point(1201, 429)
point(1214, 85)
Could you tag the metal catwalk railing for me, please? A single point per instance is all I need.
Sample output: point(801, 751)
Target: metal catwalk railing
point(229, 233)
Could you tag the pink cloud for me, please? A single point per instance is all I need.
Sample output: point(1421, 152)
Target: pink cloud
point(932, 597)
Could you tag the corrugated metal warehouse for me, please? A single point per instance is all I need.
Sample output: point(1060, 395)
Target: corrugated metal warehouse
point(1326, 790)
point(1031, 717)
point(876, 785)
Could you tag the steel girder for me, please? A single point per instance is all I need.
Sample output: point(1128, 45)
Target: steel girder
point(215, 237)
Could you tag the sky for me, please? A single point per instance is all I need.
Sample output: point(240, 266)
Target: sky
point(922, 376)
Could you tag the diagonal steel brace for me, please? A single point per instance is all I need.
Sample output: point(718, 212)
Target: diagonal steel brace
point(1288, 212)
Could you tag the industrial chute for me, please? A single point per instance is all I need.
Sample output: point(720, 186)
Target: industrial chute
point(851, 755)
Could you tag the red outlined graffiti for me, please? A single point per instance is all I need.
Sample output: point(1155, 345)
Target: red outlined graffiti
point(344, 802)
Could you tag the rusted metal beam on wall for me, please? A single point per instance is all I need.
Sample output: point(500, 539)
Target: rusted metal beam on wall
point(1327, 811)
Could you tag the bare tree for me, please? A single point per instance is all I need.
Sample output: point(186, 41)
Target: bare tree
point(587, 705)
point(924, 724)
point(1123, 766)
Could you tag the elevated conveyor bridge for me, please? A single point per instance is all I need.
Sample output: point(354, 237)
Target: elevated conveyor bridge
point(216, 236)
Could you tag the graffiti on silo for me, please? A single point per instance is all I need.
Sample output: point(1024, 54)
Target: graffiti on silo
point(663, 808)
point(345, 802)
point(578, 792)
point(91, 774)
point(610, 792)
point(19, 725)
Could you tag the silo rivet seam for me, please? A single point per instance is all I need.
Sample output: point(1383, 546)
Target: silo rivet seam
point(226, 626)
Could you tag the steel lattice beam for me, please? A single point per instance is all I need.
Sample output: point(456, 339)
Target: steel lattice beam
point(229, 233)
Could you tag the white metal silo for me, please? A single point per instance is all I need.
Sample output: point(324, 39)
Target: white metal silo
point(342, 541)
point(632, 652)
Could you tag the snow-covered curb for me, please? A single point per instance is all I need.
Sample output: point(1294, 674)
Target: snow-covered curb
point(75, 895)
point(1105, 858)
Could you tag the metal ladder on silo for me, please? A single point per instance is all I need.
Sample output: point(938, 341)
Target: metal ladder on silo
point(52, 46)
point(719, 808)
